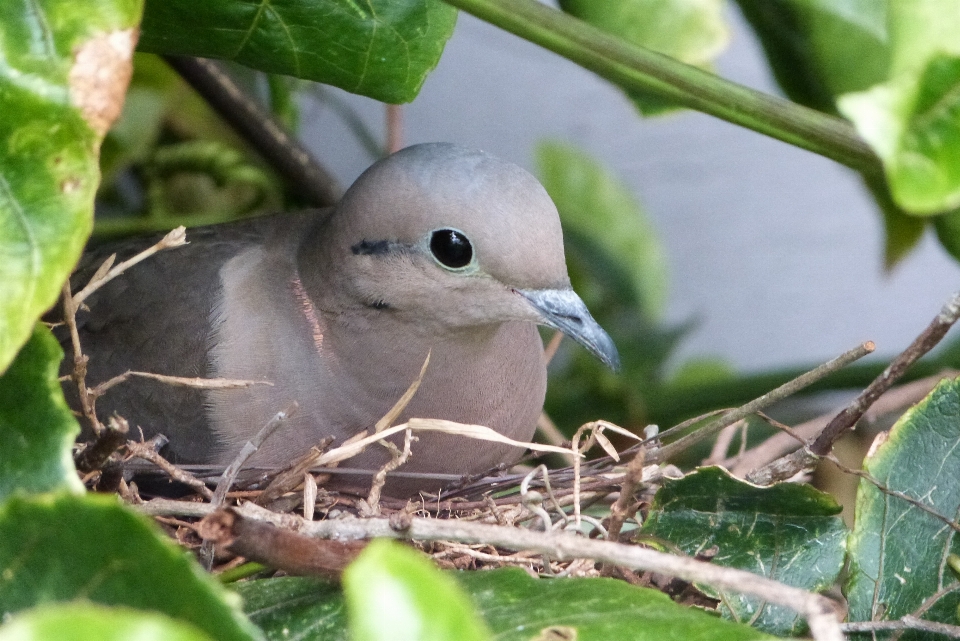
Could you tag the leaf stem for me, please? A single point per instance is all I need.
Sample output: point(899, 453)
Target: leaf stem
point(636, 68)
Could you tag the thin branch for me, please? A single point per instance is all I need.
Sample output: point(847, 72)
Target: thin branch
point(821, 613)
point(146, 451)
point(905, 623)
point(306, 177)
point(787, 466)
point(788, 389)
point(635, 68)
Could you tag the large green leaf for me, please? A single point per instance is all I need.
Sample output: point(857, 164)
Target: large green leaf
point(37, 429)
point(379, 48)
point(394, 592)
point(913, 119)
point(91, 622)
point(64, 67)
point(788, 532)
point(898, 551)
point(812, 45)
point(597, 206)
point(515, 606)
point(56, 548)
point(692, 31)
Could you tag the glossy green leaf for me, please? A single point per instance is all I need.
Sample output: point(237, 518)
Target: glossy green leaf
point(37, 429)
point(788, 532)
point(597, 206)
point(518, 607)
point(515, 606)
point(820, 49)
point(898, 551)
point(56, 105)
point(56, 548)
point(692, 31)
point(913, 119)
point(295, 608)
point(393, 592)
point(381, 48)
point(91, 622)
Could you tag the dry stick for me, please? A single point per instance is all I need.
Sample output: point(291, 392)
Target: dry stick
point(277, 547)
point(620, 511)
point(230, 474)
point(289, 479)
point(371, 506)
point(294, 162)
point(820, 612)
point(895, 400)
point(145, 451)
point(789, 465)
point(787, 389)
point(179, 381)
point(71, 303)
point(248, 450)
point(96, 453)
point(175, 238)
point(907, 622)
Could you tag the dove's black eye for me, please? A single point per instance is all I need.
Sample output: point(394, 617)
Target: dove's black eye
point(451, 248)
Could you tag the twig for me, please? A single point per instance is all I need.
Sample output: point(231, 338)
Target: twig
point(175, 238)
point(305, 176)
point(621, 509)
point(787, 389)
point(789, 465)
point(277, 547)
point(145, 451)
point(550, 350)
point(248, 450)
point(96, 453)
point(720, 446)
point(820, 613)
point(895, 400)
point(290, 478)
point(926, 341)
point(907, 622)
point(178, 381)
point(371, 506)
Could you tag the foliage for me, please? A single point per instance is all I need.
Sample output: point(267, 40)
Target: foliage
point(83, 566)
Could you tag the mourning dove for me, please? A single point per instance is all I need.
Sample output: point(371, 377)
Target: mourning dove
point(435, 249)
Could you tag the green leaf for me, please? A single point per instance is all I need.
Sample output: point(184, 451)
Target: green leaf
point(913, 119)
point(788, 532)
point(91, 622)
point(393, 592)
point(692, 31)
point(381, 48)
point(37, 429)
point(811, 46)
point(518, 607)
point(898, 550)
point(64, 69)
point(295, 608)
point(56, 548)
point(515, 606)
point(596, 205)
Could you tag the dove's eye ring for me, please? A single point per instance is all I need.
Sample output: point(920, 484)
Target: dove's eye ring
point(451, 248)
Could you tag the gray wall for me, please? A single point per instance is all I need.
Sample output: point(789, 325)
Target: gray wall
point(775, 250)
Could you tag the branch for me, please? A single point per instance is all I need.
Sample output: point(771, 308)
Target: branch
point(821, 613)
point(639, 69)
point(306, 177)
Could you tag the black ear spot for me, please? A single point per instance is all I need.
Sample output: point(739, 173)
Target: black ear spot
point(451, 248)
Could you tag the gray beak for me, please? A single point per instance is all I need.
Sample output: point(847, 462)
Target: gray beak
point(562, 309)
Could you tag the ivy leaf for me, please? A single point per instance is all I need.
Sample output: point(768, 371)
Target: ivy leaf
point(380, 48)
point(65, 70)
point(898, 549)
